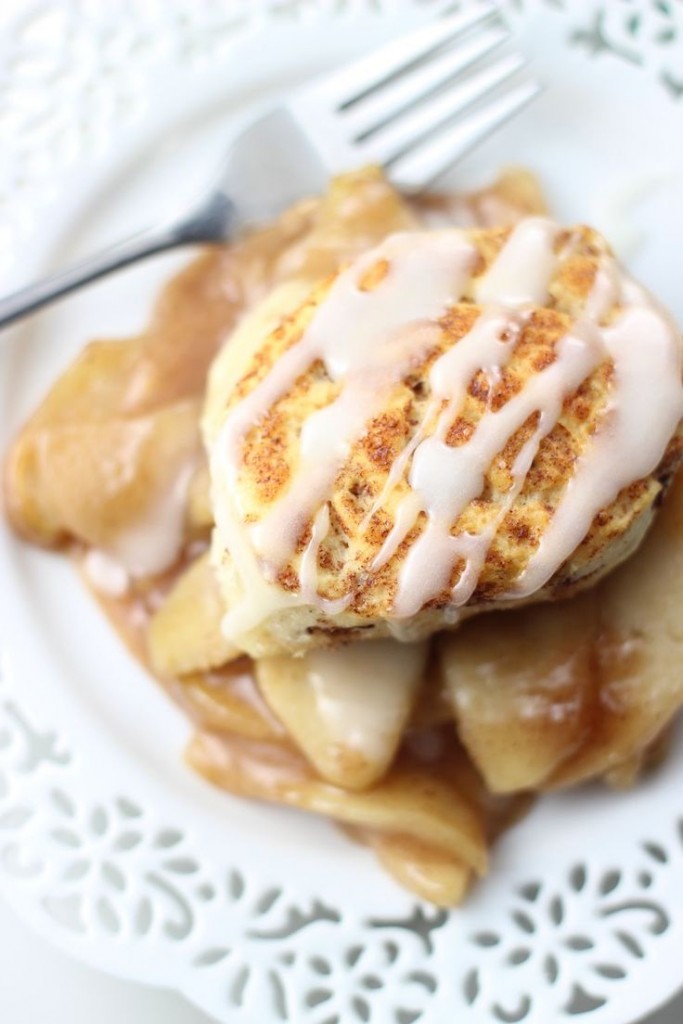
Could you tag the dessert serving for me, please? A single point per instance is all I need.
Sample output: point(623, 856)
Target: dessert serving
point(385, 497)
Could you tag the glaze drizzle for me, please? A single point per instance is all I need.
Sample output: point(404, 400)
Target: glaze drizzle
point(368, 336)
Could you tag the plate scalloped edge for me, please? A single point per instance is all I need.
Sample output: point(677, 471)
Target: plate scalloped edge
point(115, 884)
point(107, 877)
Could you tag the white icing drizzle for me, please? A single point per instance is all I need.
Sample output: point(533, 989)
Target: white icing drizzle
point(153, 544)
point(147, 547)
point(487, 346)
point(645, 408)
point(520, 274)
point(308, 570)
point(364, 692)
point(399, 465)
point(368, 340)
point(261, 597)
point(447, 479)
point(329, 433)
point(107, 576)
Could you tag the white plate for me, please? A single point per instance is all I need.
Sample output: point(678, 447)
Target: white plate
point(108, 845)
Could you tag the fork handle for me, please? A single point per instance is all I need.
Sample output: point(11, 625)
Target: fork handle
point(144, 243)
point(212, 221)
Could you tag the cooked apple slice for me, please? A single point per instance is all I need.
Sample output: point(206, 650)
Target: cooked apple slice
point(433, 706)
point(107, 483)
point(519, 683)
point(638, 651)
point(228, 701)
point(514, 195)
point(410, 800)
point(430, 872)
point(199, 510)
point(552, 695)
point(346, 707)
point(185, 634)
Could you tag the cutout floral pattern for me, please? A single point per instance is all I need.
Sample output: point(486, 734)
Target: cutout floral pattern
point(108, 869)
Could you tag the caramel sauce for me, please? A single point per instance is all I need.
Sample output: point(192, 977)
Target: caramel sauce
point(224, 700)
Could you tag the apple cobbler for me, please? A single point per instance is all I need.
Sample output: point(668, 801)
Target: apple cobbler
point(386, 497)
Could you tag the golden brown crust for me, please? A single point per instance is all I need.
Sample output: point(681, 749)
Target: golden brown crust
point(271, 451)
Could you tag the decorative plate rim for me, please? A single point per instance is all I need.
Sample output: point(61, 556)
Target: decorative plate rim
point(101, 874)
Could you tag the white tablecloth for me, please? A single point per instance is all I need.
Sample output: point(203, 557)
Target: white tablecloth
point(40, 985)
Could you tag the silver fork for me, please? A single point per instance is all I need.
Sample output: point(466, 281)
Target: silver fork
point(416, 106)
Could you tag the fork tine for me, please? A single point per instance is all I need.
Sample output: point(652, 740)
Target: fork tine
point(425, 162)
point(353, 81)
point(370, 114)
point(410, 130)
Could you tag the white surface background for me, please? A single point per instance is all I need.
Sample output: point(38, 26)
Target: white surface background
point(40, 985)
